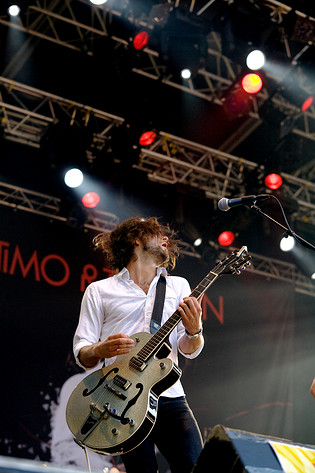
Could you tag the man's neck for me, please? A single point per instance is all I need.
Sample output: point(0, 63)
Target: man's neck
point(142, 274)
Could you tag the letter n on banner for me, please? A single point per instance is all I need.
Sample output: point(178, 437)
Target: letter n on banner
point(219, 313)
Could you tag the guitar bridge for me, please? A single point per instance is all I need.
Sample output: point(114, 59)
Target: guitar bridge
point(116, 392)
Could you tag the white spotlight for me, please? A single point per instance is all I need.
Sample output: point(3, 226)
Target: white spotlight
point(73, 177)
point(197, 242)
point(14, 10)
point(255, 60)
point(186, 73)
point(98, 2)
point(287, 243)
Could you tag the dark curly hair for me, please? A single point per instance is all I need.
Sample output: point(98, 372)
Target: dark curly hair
point(119, 244)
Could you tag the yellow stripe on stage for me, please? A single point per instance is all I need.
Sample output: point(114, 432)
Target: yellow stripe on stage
point(294, 459)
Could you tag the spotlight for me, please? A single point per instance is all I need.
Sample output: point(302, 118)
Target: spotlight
point(252, 83)
point(141, 40)
point(197, 242)
point(255, 60)
point(307, 103)
point(273, 181)
point(73, 178)
point(14, 10)
point(297, 96)
point(226, 238)
point(185, 73)
point(287, 243)
point(90, 200)
point(98, 2)
point(147, 138)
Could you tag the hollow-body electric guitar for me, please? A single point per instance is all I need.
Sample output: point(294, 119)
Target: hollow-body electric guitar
point(114, 408)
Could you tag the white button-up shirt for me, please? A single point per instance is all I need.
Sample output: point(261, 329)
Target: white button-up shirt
point(118, 304)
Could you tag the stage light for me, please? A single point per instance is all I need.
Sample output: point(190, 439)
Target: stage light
point(297, 96)
point(255, 60)
point(141, 40)
point(226, 238)
point(14, 10)
point(73, 178)
point(185, 73)
point(287, 243)
point(90, 200)
point(313, 276)
point(98, 2)
point(252, 83)
point(307, 103)
point(273, 181)
point(197, 242)
point(147, 138)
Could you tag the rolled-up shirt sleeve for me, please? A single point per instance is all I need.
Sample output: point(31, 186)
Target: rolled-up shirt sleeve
point(90, 322)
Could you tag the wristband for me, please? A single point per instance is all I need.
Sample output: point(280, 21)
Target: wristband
point(196, 335)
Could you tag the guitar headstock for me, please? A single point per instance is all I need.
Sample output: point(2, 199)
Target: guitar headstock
point(234, 263)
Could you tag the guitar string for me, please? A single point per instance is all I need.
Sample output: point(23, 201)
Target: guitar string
point(169, 325)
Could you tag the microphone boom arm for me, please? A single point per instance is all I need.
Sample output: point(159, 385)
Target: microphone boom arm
point(301, 240)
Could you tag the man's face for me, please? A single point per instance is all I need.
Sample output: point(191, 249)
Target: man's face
point(156, 246)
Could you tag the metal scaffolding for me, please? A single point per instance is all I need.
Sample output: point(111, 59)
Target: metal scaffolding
point(76, 24)
point(50, 207)
point(27, 113)
point(173, 160)
point(169, 160)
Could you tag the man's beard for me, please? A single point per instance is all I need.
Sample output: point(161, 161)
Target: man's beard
point(158, 254)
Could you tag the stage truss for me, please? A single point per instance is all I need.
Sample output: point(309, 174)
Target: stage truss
point(77, 24)
point(27, 113)
point(48, 206)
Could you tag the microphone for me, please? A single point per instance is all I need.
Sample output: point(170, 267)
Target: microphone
point(226, 204)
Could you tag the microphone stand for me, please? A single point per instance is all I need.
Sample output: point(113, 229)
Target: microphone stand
point(301, 240)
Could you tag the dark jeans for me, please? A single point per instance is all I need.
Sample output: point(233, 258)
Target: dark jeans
point(177, 436)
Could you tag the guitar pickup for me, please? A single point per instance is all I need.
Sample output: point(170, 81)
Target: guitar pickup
point(121, 382)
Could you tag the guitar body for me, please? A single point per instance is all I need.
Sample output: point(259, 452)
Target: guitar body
point(114, 408)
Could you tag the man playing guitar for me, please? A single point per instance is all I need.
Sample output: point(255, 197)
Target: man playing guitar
point(113, 309)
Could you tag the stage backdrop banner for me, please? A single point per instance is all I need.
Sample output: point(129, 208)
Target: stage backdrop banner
point(253, 374)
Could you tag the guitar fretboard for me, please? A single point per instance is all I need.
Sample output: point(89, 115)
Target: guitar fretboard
point(157, 340)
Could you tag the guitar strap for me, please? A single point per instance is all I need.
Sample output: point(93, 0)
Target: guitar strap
point(156, 317)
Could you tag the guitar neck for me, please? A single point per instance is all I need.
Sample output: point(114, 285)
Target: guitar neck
point(157, 340)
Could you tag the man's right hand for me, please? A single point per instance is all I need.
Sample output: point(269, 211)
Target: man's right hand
point(113, 345)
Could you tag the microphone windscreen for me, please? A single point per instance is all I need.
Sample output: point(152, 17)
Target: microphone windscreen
point(223, 204)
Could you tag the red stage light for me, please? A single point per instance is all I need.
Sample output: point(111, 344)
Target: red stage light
point(147, 138)
point(252, 83)
point(273, 181)
point(226, 238)
point(90, 200)
point(308, 102)
point(141, 40)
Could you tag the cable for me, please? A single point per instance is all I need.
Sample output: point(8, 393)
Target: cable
point(87, 459)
